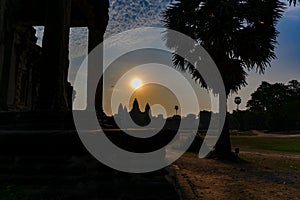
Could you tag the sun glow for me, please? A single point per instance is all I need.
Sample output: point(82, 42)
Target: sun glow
point(136, 83)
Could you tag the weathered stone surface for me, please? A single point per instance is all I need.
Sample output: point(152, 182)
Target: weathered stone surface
point(95, 38)
point(41, 83)
point(52, 93)
point(27, 69)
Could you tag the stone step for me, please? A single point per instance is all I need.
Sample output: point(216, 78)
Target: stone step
point(113, 185)
point(55, 165)
point(96, 191)
point(71, 167)
point(34, 120)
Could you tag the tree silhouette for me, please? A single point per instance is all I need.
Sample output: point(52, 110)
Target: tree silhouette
point(268, 97)
point(239, 35)
point(237, 101)
point(279, 103)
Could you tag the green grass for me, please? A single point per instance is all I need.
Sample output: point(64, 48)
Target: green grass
point(274, 145)
point(289, 145)
point(272, 163)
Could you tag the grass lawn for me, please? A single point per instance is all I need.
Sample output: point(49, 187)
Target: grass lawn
point(275, 152)
point(265, 144)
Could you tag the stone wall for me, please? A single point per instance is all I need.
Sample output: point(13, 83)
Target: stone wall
point(28, 58)
point(32, 78)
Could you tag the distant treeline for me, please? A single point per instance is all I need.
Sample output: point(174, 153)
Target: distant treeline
point(273, 107)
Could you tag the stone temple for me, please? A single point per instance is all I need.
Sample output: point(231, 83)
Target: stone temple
point(34, 78)
point(41, 154)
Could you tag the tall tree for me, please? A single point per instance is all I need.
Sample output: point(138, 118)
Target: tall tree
point(293, 105)
point(270, 100)
point(268, 97)
point(279, 103)
point(239, 35)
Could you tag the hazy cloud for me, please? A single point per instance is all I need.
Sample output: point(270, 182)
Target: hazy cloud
point(124, 15)
point(129, 14)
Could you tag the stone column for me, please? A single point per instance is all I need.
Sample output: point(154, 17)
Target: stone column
point(6, 45)
point(13, 68)
point(95, 64)
point(55, 50)
point(2, 33)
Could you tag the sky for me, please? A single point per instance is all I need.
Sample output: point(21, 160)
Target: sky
point(287, 65)
point(129, 14)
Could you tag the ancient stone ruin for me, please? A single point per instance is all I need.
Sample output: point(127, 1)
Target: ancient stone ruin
point(40, 154)
point(34, 78)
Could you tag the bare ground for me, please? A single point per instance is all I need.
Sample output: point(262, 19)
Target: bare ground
point(214, 179)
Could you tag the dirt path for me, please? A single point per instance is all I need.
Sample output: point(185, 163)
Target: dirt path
point(296, 157)
point(212, 179)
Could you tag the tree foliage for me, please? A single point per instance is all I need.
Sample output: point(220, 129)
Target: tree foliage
point(267, 97)
point(238, 35)
point(280, 103)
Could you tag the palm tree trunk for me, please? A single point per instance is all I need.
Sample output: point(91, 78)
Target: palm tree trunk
point(223, 146)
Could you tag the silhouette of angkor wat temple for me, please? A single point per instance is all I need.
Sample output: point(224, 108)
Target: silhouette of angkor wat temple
point(139, 117)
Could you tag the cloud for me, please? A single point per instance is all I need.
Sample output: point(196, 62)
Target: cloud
point(78, 42)
point(124, 15)
point(129, 14)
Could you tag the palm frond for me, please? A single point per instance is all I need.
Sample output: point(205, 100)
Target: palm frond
point(238, 34)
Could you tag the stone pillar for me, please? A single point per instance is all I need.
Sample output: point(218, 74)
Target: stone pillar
point(55, 50)
point(12, 75)
point(2, 33)
point(95, 38)
point(6, 45)
point(97, 20)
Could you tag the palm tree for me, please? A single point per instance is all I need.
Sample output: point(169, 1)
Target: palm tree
point(237, 101)
point(239, 35)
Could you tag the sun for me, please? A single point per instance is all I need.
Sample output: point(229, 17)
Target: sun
point(136, 83)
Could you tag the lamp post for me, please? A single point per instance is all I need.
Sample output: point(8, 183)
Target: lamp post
point(176, 109)
point(237, 101)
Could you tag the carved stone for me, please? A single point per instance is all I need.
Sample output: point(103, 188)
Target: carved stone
point(36, 79)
